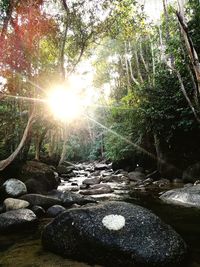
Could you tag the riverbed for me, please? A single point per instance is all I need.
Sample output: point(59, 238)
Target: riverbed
point(25, 250)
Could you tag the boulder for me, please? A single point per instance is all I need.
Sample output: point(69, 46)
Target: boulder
point(97, 189)
point(38, 210)
point(39, 177)
point(91, 181)
point(187, 196)
point(68, 198)
point(119, 178)
point(15, 204)
point(100, 166)
point(115, 234)
point(62, 169)
point(41, 200)
point(55, 211)
point(15, 219)
point(192, 173)
point(136, 176)
point(12, 188)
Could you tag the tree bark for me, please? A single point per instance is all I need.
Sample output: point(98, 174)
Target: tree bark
point(190, 48)
point(4, 163)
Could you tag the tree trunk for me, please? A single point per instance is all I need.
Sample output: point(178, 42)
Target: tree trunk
point(4, 163)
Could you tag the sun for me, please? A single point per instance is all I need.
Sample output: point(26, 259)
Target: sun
point(64, 104)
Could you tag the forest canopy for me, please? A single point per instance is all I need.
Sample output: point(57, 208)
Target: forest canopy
point(86, 80)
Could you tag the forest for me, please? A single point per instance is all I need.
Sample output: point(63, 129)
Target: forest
point(100, 120)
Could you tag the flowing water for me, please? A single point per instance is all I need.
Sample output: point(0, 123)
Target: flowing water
point(25, 250)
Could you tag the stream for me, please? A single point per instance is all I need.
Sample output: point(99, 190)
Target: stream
point(25, 250)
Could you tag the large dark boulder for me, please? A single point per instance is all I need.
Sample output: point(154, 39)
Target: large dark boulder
point(16, 219)
point(192, 173)
point(38, 177)
point(187, 196)
point(41, 200)
point(115, 234)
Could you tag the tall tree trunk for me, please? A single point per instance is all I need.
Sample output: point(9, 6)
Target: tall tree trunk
point(190, 48)
point(4, 163)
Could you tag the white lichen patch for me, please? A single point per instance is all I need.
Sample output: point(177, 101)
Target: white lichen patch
point(114, 222)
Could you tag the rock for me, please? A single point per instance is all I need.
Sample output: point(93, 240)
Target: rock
point(15, 204)
point(162, 182)
point(55, 210)
point(186, 196)
point(155, 175)
point(68, 198)
point(12, 188)
point(97, 189)
point(41, 200)
point(100, 166)
point(84, 186)
point(115, 234)
point(38, 210)
point(139, 169)
point(120, 178)
point(136, 176)
point(197, 182)
point(192, 173)
point(15, 219)
point(91, 181)
point(38, 177)
point(62, 169)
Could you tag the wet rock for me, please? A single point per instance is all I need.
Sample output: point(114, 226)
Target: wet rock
point(68, 198)
point(162, 182)
point(84, 186)
point(186, 196)
point(62, 169)
point(38, 210)
point(120, 178)
point(100, 166)
point(139, 169)
point(15, 219)
point(41, 200)
point(38, 177)
point(136, 176)
point(155, 175)
point(15, 204)
point(197, 182)
point(13, 188)
point(92, 181)
point(97, 189)
point(55, 211)
point(115, 234)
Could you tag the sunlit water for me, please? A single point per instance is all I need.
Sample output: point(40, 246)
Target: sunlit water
point(25, 250)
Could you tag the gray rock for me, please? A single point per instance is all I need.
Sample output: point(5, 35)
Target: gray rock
point(55, 211)
point(100, 166)
point(41, 200)
point(97, 189)
point(13, 188)
point(91, 181)
point(187, 196)
point(15, 219)
point(62, 169)
point(15, 204)
point(115, 234)
point(68, 198)
point(136, 176)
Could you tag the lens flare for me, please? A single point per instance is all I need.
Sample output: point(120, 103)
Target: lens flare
point(64, 104)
